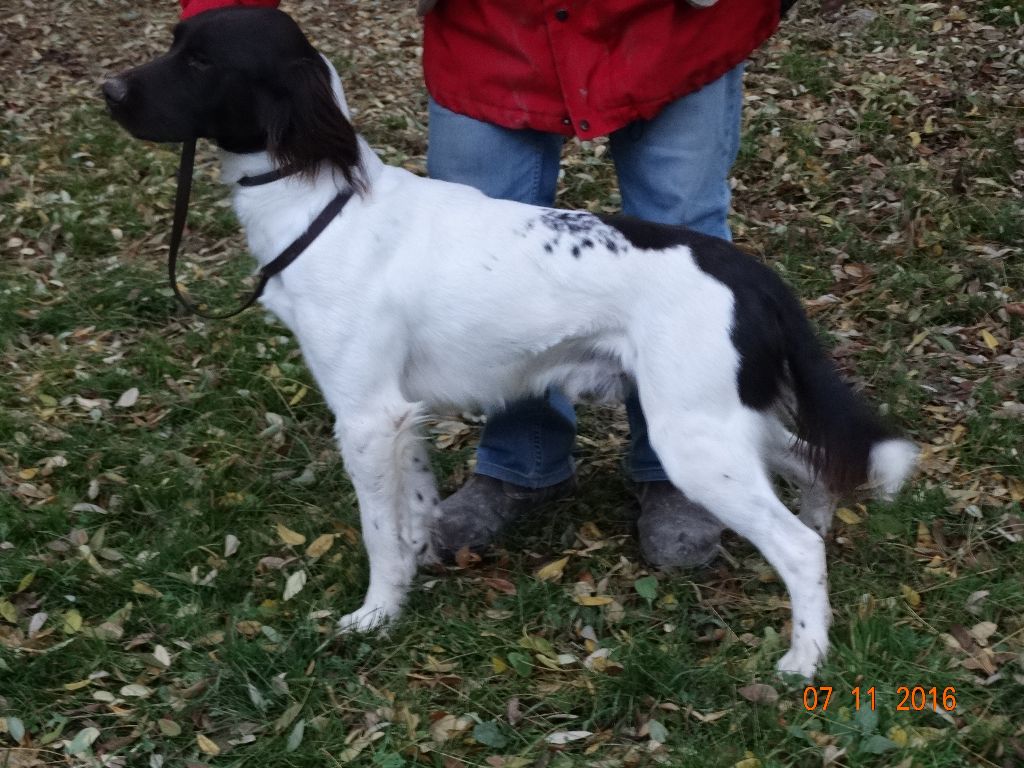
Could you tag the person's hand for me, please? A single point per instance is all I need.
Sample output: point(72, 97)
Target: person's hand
point(423, 7)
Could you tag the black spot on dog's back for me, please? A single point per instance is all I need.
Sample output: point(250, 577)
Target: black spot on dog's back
point(581, 230)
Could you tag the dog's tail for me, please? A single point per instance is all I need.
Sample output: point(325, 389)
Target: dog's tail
point(847, 443)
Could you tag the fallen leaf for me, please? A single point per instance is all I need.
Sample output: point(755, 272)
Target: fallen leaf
point(36, 623)
point(248, 627)
point(128, 398)
point(290, 537)
point(594, 599)
point(466, 557)
point(15, 728)
point(490, 735)
point(207, 746)
point(504, 586)
point(990, 341)
point(136, 691)
point(230, 545)
point(974, 601)
point(212, 638)
point(600, 661)
point(910, 595)
point(297, 397)
point(142, 588)
point(614, 612)
point(448, 726)
point(982, 631)
point(647, 588)
point(848, 516)
point(564, 737)
point(287, 717)
point(710, 717)
point(108, 630)
point(552, 571)
point(8, 612)
point(657, 731)
point(296, 581)
point(82, 741)
point(321, 544)
point(295, 737)
point(160, 654)
point(432, 664)
point(258, 699)
point(168, 727)
point(513, 712)
point(759, 693)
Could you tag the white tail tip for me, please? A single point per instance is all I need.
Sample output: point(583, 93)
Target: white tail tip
point(891, 462)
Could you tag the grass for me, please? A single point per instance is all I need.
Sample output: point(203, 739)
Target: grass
point(145, 548)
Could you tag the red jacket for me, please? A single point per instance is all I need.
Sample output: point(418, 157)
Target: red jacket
point(584, 67)
point(192, 7)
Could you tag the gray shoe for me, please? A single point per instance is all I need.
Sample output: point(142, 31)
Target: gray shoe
point(674, 531)
point(479, 510)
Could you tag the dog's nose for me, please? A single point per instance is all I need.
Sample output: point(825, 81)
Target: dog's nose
point(115, 90)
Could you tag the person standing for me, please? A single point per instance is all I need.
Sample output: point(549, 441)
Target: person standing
point(509, 81)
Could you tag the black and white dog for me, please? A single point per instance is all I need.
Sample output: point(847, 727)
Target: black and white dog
point(425, 295)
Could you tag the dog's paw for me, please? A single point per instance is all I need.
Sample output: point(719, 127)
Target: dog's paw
point(800, 662)
point(367, 619)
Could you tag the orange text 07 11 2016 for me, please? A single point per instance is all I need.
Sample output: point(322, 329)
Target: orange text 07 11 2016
point(917, 698)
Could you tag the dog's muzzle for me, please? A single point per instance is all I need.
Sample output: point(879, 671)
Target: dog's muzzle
point(115, 90)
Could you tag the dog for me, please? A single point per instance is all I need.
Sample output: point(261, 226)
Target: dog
point(423, 296)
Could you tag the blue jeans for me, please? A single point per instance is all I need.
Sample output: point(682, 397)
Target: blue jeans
point(673, 169)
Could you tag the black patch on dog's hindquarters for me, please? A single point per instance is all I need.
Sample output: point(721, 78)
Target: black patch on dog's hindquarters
point(778, 348)
point(756, 331)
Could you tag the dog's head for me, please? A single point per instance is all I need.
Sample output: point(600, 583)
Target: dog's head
point(248, 79)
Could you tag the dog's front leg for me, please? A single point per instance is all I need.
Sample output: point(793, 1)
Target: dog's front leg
point(372, 447)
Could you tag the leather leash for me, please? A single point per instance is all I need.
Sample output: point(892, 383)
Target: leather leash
point(280, 262)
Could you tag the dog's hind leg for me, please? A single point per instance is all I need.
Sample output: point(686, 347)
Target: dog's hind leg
point(786, 456)
point(378, 444)
point(714, 459)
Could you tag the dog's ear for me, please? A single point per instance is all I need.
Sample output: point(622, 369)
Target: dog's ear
point(306, 127)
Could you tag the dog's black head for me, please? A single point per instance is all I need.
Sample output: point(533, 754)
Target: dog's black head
point(248, 79)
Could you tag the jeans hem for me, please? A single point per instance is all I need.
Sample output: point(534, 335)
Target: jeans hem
point(651, 475)
point(533, 482)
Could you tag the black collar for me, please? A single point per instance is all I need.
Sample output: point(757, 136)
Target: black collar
point(268, 177)
point(280, 262)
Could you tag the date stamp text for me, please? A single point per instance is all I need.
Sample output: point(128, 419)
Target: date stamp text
point(917, 698)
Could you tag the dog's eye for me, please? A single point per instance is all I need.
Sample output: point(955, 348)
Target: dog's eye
point(197, 61)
